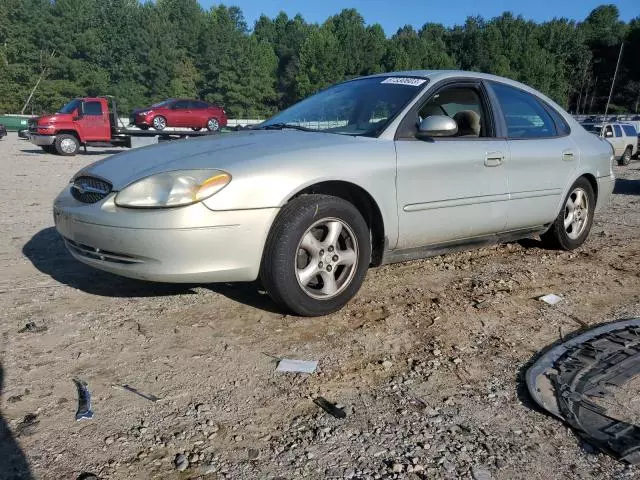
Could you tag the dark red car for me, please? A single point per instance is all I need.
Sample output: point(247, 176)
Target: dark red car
point(194, 114)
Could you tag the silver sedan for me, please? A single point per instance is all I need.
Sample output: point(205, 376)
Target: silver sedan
point(380, 169)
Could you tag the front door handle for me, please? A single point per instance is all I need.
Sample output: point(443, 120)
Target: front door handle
point(493, 159)
point(568, 155)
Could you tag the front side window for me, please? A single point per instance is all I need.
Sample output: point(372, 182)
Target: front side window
point(629, 130)
point(618, 130)
point(524, 115)
point(462, 104)
point(182, 105)
point(359, 107)
point(93, 108)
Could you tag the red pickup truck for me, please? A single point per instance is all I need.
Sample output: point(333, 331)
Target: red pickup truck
point(92, 122)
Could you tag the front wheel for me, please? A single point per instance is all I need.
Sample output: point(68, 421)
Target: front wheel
point(316, 255)
point(625, 159)
point(571, 227)
point(159, 122)
point(66, 145)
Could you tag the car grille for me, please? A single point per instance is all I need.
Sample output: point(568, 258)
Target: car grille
point(90, 189)
point(93, 253)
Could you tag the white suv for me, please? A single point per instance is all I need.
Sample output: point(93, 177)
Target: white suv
point(622, 136)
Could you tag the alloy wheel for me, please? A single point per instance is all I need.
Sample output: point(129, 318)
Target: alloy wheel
point(576, 213)
point(159, 123)
point(326, 258)
point(213, 125)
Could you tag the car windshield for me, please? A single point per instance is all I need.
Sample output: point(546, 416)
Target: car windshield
point(358, 107)
point(590, 127)
point(164, 103)
point(70, 107)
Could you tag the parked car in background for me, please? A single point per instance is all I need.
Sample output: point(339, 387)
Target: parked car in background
point(184, 113)
point(623, 137)
point(374, 170)
point(92, 122)
point(3, 131)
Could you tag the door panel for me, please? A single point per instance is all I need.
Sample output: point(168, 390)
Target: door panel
point(94, 124)
point(543, 158)
point(538, 171)
point(450, 189)
point(180, 113)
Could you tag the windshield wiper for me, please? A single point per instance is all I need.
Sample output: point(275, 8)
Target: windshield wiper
point(281, 126)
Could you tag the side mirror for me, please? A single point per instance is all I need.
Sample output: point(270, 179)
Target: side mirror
point(437, 126)
point(608, 134)
point(79, 113)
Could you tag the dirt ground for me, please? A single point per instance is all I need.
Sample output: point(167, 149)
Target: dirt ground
point(427, 360)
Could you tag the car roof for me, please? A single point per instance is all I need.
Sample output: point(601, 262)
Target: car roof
point(434, 75)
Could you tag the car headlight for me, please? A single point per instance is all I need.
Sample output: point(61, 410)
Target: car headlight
point(145, 113)
point(173, 189)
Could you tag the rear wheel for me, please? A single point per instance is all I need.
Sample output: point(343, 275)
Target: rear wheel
point(316, 256)
point(625, 159)
point(67, 145)
point(571, 227)
point(213, 125)
point(159, 122)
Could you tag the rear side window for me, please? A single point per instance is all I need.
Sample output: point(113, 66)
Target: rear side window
point(630, 130)
point(199, 104)
point(618, 130)
point(526, 117)
point(93, 108)
point(561, 125)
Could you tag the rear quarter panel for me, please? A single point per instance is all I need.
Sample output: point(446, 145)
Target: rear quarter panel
point(595, 157)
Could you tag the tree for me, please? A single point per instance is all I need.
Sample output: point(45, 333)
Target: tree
point(144, 51)
point(322, 62)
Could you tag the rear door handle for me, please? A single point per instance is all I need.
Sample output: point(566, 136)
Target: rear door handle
point(567, 155)
point(493, 159)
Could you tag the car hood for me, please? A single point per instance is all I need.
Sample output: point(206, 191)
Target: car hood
point(53, 118)
point(220, 151)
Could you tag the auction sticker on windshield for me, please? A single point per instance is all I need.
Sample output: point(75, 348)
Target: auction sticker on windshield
point(412, 82)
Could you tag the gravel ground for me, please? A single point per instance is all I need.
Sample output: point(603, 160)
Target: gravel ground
point(427, 361)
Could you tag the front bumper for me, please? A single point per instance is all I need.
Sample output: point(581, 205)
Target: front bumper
point(146, 121)
point(42, 140)
point(605, 191)
point(189, 244)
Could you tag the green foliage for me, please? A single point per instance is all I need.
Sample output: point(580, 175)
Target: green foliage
point(143, 52)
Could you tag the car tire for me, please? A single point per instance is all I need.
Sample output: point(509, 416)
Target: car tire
point(625, 159)
point(67, 145)
point(571, 228)
point(316, 238)
point(49, 149)
point(159, 123)
point(213, 125)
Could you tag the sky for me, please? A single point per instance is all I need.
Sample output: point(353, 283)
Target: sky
point(393, 14)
